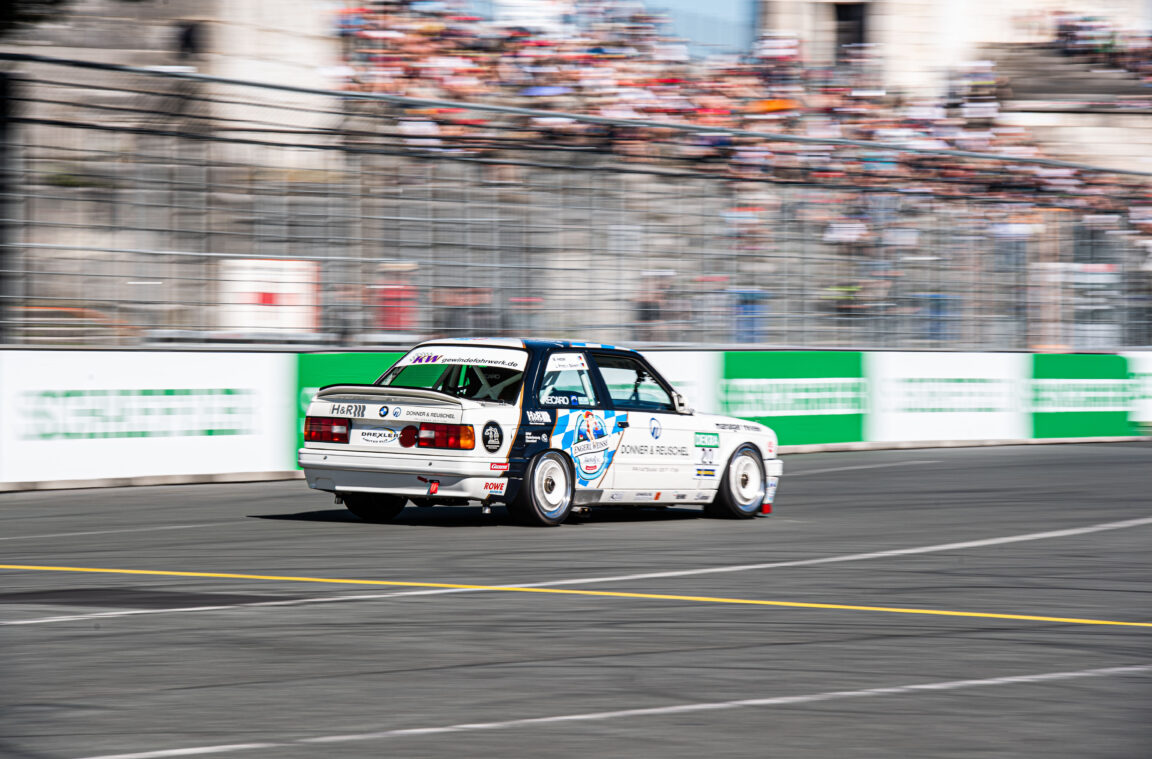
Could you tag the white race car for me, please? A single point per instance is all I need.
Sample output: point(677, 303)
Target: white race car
point(543, 426)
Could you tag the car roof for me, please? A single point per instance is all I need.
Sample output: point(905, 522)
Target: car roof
point(530, 343)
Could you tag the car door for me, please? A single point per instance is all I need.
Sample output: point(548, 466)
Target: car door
point(584, 428)
point(655, 460)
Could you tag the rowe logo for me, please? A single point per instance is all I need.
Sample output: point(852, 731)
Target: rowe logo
point(427, 358)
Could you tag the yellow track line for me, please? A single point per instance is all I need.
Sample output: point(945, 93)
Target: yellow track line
point(570, 592)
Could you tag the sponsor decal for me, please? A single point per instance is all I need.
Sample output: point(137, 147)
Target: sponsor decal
point(707, 440)
point(396, 412)
point(702, 496)
point(705, 472)
point(657, 496)
point(535, 437)
point(681, 496)
point(496, 487)
point(727, 426)
point(556, 400)
point(383, 411)
point(707, 455)
point(590, 437)
point(378, 435)
point(423, 413)
point(654, 428)
point(559, 362)
point(644, 496)
point(655, 450)
point(349, 409)
point(493, 437)
point(466, 354)
point(539, 417)
point(499, 466)
point(616, 496)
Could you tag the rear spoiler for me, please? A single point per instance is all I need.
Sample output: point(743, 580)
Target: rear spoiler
point(393, 395)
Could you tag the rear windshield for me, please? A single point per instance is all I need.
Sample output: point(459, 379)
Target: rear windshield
point(462, 371)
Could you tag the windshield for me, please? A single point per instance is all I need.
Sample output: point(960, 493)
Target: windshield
point(477, 373)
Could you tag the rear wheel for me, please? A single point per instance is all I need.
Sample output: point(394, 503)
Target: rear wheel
point(546, 495)
point(742, 489)
point(374, 508)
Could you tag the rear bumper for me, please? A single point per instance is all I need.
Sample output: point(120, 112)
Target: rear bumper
point(411, 476)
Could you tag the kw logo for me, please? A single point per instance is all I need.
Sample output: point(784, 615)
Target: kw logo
point(427, 358)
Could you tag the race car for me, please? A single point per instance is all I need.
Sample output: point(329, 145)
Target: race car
point(542, 426)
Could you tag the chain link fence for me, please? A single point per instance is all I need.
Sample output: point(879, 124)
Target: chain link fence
point(160, 208)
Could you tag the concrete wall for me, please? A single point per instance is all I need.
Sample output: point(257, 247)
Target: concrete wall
point(921, 39)
point(1112, 140)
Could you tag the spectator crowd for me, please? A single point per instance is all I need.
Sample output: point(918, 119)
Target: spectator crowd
point(613, 59)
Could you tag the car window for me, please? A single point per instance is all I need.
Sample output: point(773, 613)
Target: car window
point(631, 384)
point(567, 382)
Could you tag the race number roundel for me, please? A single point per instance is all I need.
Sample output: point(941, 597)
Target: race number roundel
point(493, 437)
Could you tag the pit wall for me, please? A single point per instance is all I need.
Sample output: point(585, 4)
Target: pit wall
point(94, 418)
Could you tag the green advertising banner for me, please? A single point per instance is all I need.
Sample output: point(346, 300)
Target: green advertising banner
point(807, 397)
point(315, 370)
point(1080, 395)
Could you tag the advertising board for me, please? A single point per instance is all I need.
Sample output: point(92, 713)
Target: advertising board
point(694, 374)
point(807, 397)
point(947, 396)
point(268, 295)
point(1140, 375)
point(76, 415)
point(1080, 395)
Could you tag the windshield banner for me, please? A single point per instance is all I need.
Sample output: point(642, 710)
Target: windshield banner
point(466, 354)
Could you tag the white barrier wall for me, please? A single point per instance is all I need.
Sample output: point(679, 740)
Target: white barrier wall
point(1140, 369)
point(80, 415)
point(75, 416)
point(947, 396)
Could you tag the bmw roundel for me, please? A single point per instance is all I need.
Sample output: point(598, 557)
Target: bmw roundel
point(383, 411)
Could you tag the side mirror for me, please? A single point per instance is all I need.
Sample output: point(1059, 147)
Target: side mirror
point(680, 404)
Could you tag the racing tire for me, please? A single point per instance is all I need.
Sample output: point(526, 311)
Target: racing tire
point(374, 508)
point(547, 493)
point(742, 489)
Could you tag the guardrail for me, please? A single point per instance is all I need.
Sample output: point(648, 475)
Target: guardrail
point(91, 418)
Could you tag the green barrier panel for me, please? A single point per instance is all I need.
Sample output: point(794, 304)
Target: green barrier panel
point(1080, 395)
point(315, 370)
point(807, 397)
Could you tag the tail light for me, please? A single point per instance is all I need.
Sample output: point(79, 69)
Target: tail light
point(459, 436)
point(408, 436)
point(326, 429)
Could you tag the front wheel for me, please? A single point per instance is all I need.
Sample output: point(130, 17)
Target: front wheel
point(742, 489)
point(546, 495)
point(374, 508)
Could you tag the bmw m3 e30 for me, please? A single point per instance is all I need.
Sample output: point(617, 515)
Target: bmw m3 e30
point(542, 426)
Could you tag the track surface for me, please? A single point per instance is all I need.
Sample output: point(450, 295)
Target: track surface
point(110, 664)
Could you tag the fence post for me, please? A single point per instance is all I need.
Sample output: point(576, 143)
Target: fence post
point(7, 204)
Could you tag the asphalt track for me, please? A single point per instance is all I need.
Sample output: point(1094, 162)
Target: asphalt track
point(652, 657)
